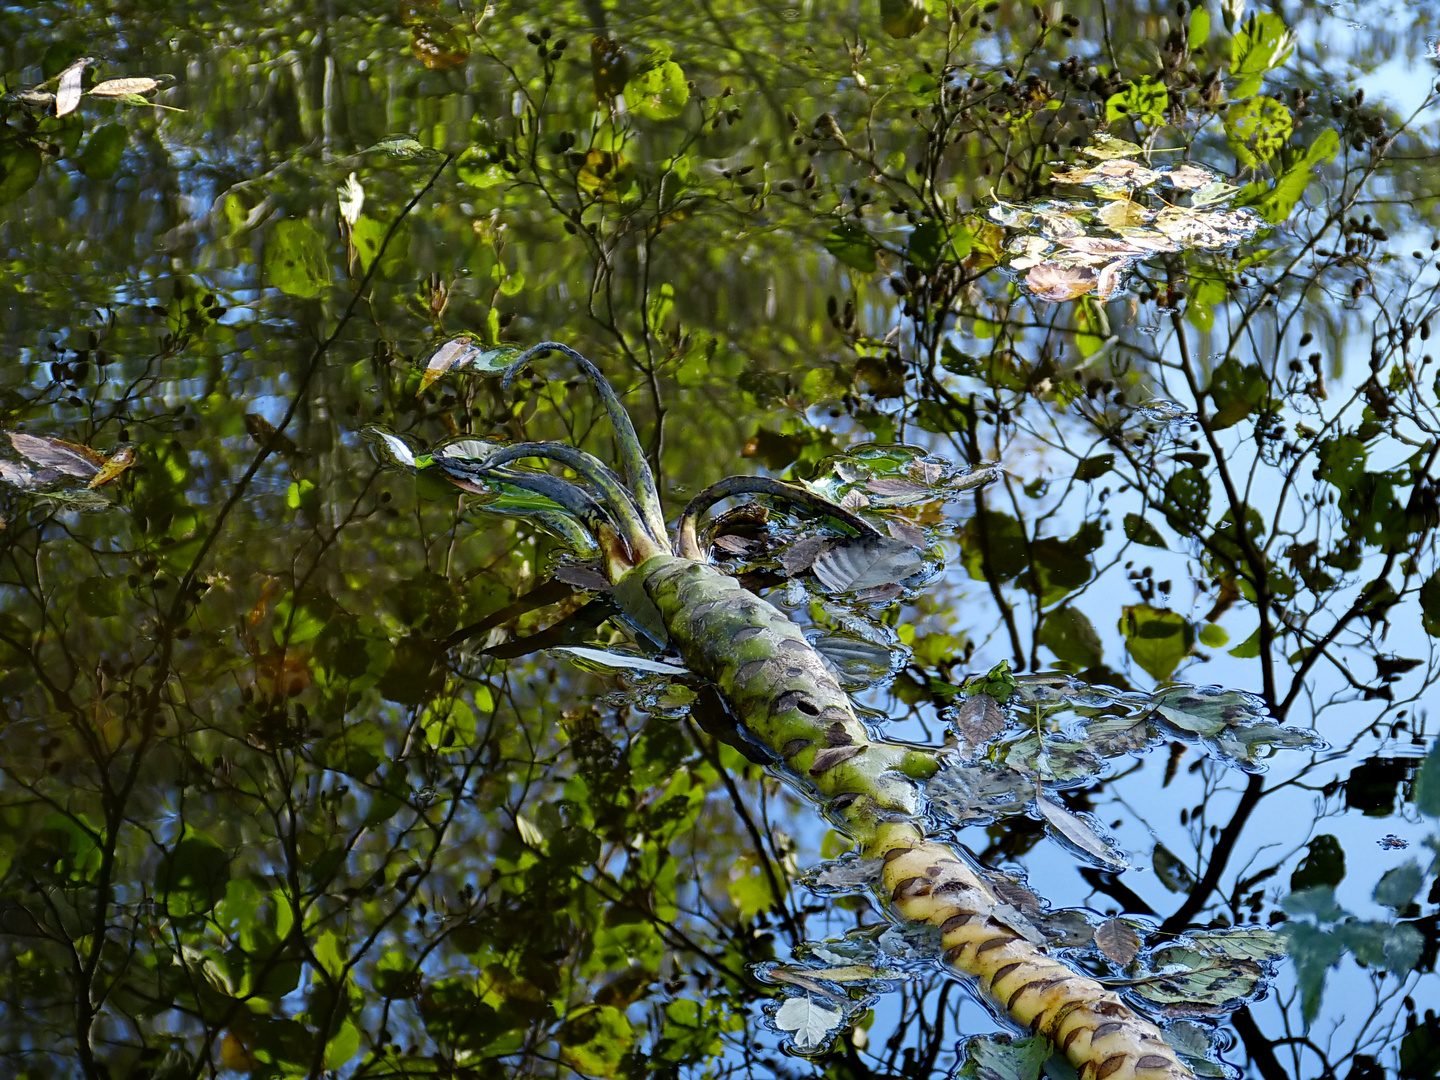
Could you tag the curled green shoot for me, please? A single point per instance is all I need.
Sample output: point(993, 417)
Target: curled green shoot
point(632, 458)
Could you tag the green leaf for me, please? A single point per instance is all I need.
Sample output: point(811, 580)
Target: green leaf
point(19, 169)
point(1213, 636)
point(367, 235)
point(1187, 501)
point(1144, 100)
point(1275, 202)
point(475, 167)
point(1092, 468)
point(1263, 44)
point(1313, 952)
point(1156, 638)
point(1140, 531)
point(103, 151)
point(657, 91)
point(1209, 973)
point(1199, 27)
point(1256, 129)
point(1002, 1057)
point(295, 259)
point(1430, 605)
point(100, 597)
point(1397, 887)
point(192, 877)
point(852, 246)
point(1069, 634)
point(1249, 648)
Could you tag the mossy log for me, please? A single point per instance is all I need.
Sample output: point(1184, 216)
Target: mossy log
point(780, 690)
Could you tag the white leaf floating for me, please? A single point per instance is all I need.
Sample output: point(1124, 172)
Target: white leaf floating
point(395, 449)
point(607, 662)
point(119, 88)
point(866, 562)
point(809, 1022)
point(67, 97)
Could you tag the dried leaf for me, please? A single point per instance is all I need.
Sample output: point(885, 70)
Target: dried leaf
point(69, 458)
point(896, 488)
point(1188, 177)
point(977, 720)
point(847, 874)
point(465, 353)
point(1109, 278)
point(854, 500)
point(352, 199)
point(1080, 835)
point(1123, 214)
point(115, 465)
point(906, 532)
point(735, 545)
point(866, 562)
point(67, 96)
point(1056, 283)
point(1118, 940)
point(606, 662)
point(800, 556)
point(114, 88)
point(881, 594)
point(810, 1022)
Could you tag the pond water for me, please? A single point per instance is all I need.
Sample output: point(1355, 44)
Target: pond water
point(327, 747)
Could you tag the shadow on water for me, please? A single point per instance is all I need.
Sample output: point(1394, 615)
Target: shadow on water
point(1070, 365)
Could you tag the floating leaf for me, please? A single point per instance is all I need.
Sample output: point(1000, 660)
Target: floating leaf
point(114, 467)
point(466, 353)
point(1057, 283)
point(977, 720)
point(1209, 973)
point(69, 458)
point(809, 1022)
point(866, 562)
point(390, 448)
point(606, 662)
point(67, 95)
point(1188, 177)
point(402, 146)
point(1001, 1057)
point(1118, 940)
point(1081, 835)
point(117, 88)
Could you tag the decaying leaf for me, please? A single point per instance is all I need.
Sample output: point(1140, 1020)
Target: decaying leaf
point(67, 95)
point(1080, 835)
point(866, 562)
point(1118, 940)
point(1209, 973)
point(977, 720)
point(1188, 177)
point(1056, 283)
point(117, 88)
point(466, 353)
point(69, 458)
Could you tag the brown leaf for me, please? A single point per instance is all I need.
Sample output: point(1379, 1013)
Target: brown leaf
point(1118, 940)
point(114, 466)
point(735, 545)
point(122, 87)
point(1055, 283)
point(977, 720)
point(1189, 177)
point(1109, 278)
point(855, 500)
point(70, 459)
point(800, 556)
point(906, 533)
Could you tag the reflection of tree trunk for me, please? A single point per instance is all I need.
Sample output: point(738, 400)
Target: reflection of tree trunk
point(1258, 1046)
point(595, 12)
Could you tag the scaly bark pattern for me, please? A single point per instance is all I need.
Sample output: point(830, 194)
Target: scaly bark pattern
point(779, 688)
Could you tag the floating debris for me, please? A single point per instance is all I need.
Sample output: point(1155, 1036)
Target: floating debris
point(1065, 249)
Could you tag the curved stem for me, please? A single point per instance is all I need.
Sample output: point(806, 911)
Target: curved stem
point(614, 495)
point(687, 540)
point(632, 456)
